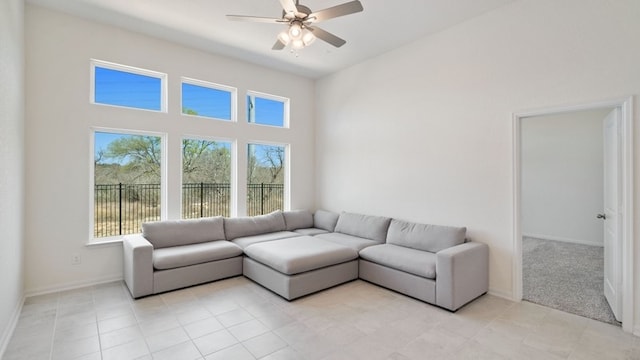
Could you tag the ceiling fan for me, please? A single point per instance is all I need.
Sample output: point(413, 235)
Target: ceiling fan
point(301, 22)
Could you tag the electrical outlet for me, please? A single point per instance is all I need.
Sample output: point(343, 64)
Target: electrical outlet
point(75, 259)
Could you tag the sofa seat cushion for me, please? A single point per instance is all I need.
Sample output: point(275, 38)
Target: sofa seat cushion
point(168, 233)
point(185, 255)
point(364, 226)
point(300, 254)
point(425, 237)
point(311, 231)
point(354, 242)
point(245, 241)
point(416, 262)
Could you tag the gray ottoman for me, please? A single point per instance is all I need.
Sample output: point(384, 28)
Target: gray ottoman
point(299, 266)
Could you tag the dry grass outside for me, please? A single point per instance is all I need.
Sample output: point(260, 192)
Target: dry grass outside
point(192, 210)
point(107, 221)
point(254, 209)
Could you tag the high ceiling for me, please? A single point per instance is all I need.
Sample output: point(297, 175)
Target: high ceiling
point(382, 26)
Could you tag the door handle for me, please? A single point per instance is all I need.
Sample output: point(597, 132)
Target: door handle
point(601, 216)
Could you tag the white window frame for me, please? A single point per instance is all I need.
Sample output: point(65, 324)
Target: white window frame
point(133, 70)
point(282, 99)
point(233, 210)
point(163, 178)
point(214, 86)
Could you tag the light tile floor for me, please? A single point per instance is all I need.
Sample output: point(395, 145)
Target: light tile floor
point(238, 319)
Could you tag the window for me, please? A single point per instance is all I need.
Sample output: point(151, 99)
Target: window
point(264, 109)
point(206, 178)
point(209, 100)
point(127, 172)
point(265, 178)
point(119, 85)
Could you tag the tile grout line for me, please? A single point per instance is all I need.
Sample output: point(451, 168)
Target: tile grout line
point(93, 300)
point(55, 325)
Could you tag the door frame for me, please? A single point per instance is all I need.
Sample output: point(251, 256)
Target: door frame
point(625, 105)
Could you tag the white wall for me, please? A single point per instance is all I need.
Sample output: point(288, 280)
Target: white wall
point(59, 118)
point(562, 176)
point(424, 132)
point(11, 164)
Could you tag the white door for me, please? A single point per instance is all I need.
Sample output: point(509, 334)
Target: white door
point(612, 243)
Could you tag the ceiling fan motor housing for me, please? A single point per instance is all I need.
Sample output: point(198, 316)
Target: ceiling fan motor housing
point(301, 14)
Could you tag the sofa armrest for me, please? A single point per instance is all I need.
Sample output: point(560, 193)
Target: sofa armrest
point(462, 274)
point(138, 265)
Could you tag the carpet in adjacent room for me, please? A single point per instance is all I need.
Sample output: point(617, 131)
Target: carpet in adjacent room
point(565, 276)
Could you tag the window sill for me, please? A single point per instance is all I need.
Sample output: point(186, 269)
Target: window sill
point(116, 240)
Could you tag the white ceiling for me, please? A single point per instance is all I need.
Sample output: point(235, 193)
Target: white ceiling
point(382, 26)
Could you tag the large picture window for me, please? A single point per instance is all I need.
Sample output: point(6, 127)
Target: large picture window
point(206, 178)
point(127, 173)
point(265, 178)
point(120, 85)
point(133, 171)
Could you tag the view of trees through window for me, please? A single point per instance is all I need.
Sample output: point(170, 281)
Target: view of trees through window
point(265, 178)
point(127, 174)
point(126, 182)
point(206, 178)
point(128, 164)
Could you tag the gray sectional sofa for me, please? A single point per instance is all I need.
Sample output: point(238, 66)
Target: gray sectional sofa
point(296, 253)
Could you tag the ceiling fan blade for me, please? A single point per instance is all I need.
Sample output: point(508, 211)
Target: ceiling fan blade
point(289, 6)
point(255, 19)
point(336, 11)
point(279, 45)
point(327, 36)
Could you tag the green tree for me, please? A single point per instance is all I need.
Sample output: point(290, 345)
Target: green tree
point(189, 111)
point(137, 158)
point(265, 164)
point(205, 161)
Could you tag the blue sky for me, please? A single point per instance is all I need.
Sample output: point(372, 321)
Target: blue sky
point(121, 88)
point(114, 87)
point(206, 101)
point(268, 112)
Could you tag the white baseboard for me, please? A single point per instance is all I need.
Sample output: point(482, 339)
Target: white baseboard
point(562, 239)
point(7, 332)
point(505, 294)
point(72, 285)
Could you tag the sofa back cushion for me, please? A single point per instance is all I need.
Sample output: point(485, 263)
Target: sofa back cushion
point(167, 233)
point(253, 225)
point(298, 219)
point(364, 226)
point(325, 220)
point(432, 238)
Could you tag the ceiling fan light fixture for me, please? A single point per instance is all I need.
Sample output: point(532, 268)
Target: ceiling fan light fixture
point(308, 37)
point(297, 44)
point(301, 23)
point(284, 37)
point(295, 30)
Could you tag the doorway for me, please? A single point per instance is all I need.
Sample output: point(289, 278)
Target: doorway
point(562, 192)
point(624, 174)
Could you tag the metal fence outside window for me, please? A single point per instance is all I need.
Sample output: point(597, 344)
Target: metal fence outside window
point(264, 198)
point(120, 209)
